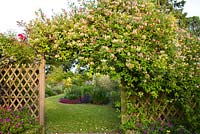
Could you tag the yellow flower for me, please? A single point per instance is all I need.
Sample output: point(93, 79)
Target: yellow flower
point(168, 131)
point(68, 82)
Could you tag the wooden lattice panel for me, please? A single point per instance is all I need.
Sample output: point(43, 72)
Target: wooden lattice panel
point(20, 87)
point(156, 110)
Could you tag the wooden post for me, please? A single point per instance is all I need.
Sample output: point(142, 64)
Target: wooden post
point(158, 2)
point(124, 116)
point(42, 90)
point(123, 103)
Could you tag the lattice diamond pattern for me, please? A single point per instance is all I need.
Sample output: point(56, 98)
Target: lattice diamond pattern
point(20, 87)
point(162, 112)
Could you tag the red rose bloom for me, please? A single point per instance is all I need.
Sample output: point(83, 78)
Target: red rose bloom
point(21, 36)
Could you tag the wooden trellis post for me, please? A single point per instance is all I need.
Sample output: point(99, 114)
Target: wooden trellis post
point(42, 90)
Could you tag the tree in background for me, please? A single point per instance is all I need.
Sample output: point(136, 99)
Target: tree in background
point(192, 24)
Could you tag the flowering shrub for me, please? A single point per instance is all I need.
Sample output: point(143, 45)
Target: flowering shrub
point(167, 128)
point(14, 122)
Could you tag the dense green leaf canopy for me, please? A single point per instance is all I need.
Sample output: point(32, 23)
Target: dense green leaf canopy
point(132, 40)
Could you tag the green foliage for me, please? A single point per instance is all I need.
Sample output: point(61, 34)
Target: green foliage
point(105, 90)
point(166, 128)
point(79, 118)
point(115, 98)
point(18, 121)
point(134, 49)
point(131, 40)
point(87, 89)
point(55, 81)
point(194, 25)
point(49, 92)
point(56, 75)
point(80, 79)
point(100, 96)
point(14, 51)
point(74, 93)
point(77, 86)
point(50, 36)
point(105, 82)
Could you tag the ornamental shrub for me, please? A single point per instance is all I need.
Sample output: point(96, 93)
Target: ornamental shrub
point(74, 93)
point(87, 89)
point(100, 96)
point(15, 122)
point(115, 98)
point(86, 98)
point(104, 81)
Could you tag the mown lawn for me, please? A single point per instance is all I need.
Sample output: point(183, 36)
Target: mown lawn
point(79, 117)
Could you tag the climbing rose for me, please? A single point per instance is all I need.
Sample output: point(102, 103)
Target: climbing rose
point(21, 36)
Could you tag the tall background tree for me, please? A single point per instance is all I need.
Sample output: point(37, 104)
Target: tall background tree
point(192, 24)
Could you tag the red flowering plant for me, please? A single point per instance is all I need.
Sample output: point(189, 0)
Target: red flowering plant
point(22, 37)
point(14, 122)
point(14, 51)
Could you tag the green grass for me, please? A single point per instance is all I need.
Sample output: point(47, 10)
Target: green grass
point(79, 117)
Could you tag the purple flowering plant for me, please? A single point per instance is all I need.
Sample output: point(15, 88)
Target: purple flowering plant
point(165, 128)
point(15, 122)
point(161, 128)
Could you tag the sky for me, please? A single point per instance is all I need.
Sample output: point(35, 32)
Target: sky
point(192, 7)
point(17, 10)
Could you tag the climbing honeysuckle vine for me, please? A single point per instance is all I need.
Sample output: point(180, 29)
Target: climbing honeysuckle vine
point(133, 40)
point(127, 39)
